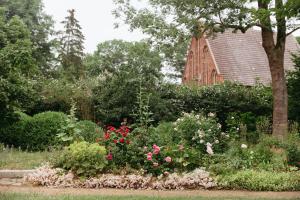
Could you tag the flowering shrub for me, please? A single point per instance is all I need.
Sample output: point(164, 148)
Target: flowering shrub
point(201, 132)
point(156, 162)
point(116, 142)
point(82, 158)
point(47, 176)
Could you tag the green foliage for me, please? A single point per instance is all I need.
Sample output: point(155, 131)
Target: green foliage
point(83, 158)
point(293, 90)
point(40, 26)
point(58, 95)
point(34, 133)
point(71, 52)
point(16, 66)
point(142, 114)
point(70, 132)
point(261, 181)
point(123, 65)
point(89, 130)
point(199, 131)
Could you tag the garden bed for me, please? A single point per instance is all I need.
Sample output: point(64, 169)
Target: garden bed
point(47, 176)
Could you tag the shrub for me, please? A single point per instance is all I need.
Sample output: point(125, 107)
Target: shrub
point(82, 158)
point(13, 134)
point(89, 130)
point(261, 181)
point(202, 132)
point(35, 133)
point(220, 99)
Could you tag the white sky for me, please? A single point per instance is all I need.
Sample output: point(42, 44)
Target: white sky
point(95, 18)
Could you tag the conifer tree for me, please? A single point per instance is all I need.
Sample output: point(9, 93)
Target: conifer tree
point(71, 53)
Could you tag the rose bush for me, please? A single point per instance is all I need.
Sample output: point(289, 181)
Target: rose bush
point(202, 132)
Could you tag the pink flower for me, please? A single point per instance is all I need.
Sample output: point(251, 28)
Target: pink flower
point(156, 149)
point(149, 156)
point(168, 159)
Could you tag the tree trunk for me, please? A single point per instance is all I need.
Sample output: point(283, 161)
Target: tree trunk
point(280, 98)
point(275, 54)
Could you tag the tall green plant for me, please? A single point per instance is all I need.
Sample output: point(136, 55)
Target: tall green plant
point(142, 111)
point(70, 132)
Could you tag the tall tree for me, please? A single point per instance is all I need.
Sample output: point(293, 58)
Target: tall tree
point(120, 66)
point(40, 26)
point(276, 18)
point(71, 52)
point(16, 66)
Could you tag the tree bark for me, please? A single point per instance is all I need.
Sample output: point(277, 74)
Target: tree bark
point(275, 54)
point(280, 96)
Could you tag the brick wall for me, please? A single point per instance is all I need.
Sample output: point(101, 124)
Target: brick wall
point(200, 68)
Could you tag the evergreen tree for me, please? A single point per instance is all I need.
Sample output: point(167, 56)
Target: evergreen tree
point(71, 52)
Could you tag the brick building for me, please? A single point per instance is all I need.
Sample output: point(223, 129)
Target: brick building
point(237, 57)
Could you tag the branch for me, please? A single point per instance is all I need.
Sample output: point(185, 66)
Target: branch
point(292, 31)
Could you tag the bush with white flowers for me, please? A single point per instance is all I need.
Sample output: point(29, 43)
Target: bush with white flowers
point(202, 132)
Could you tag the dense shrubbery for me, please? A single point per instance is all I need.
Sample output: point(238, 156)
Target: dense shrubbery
point(168, 101)
point(83, 158)
point(89, 130)
point(34, 133)
point(40, 131)
point(261, 181)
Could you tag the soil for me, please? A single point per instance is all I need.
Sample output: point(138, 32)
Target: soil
point(150, 193)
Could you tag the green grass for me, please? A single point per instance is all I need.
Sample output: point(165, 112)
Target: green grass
point(16, 196)
point(14, 159)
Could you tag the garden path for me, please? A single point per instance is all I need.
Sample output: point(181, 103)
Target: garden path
point(151, 193)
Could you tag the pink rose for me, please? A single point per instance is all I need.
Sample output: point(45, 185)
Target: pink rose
point(168, 159)
point(149, 156)
point(156, 149)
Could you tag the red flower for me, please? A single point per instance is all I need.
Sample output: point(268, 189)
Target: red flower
point(109, 156)
point(124, 134)
point(127, 141)
point(122, 140)
point(111, 128)
point(106, 136)
point(115, 141)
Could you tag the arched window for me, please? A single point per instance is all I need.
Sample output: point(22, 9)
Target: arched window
point(214, 77)
point(205, 65)
point(191, 64)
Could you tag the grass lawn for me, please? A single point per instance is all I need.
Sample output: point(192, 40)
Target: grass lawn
point(16, 196)
point(14, 159)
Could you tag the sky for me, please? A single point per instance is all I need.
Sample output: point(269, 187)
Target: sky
point(95, 18)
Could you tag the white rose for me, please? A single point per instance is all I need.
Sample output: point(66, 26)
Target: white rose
point(244, 146)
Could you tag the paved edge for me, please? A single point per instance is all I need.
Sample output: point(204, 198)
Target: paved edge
point(149, 193)
point(15, 173)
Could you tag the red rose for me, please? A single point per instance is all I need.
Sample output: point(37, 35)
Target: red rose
point(106, 136)
point(109, 156)
point(124, 134)
point(127, 141)
point(111, 128)
point(122, 140)
point(115, 141)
